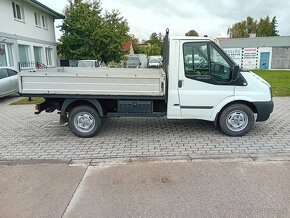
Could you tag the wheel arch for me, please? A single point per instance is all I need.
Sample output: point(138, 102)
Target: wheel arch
point(247, 103)
point(69, 104)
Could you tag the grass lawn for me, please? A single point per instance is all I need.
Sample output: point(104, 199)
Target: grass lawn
point(279, 80)
point(24, 101)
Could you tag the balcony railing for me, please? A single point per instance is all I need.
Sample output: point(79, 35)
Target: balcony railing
point(31, 66)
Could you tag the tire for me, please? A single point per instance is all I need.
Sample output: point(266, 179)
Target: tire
point(236, 120)
point(84, 121)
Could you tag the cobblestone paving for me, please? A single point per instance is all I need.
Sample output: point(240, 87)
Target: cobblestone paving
point(25, 136)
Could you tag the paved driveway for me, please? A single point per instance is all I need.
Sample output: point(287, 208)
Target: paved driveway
point(24, 135)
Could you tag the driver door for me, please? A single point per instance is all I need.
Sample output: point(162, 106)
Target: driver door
point(204, 79)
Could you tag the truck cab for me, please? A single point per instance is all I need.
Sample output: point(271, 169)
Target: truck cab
point(205, 83)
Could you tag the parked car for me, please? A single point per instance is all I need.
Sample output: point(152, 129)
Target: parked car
point(88, 63)
point(8, 81)
point(155, 61)
point(133, 62)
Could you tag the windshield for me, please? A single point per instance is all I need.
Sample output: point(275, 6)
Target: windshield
point(85, 64)
point(154, 61)
point(132, 61)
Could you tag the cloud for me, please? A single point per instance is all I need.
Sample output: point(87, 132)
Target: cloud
point(209, 17)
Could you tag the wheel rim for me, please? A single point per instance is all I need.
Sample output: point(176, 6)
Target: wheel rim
point(237, 120)
point(84, 122)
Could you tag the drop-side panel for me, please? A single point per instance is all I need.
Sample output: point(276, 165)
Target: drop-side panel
point(106, 81)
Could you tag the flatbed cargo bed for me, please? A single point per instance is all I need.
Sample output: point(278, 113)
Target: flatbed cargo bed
point(93, 82)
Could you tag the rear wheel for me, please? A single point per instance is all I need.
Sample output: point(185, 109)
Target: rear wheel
point(236, 120)
point(84, 121)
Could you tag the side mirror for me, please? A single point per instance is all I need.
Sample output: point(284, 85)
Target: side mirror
point(236, 71)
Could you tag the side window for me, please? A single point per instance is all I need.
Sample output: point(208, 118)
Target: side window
point(11, 72)
point(196, 61)
point(204, 62)
point(219, 67)
point(3, 73)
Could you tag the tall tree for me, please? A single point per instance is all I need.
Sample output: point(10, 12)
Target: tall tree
point(274, 23)
point(263, 27)
point(251, 26)
point(238, 30)
point(89, 34)
point(191, 33)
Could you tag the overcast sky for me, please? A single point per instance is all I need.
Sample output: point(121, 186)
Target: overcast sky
point(207, 17)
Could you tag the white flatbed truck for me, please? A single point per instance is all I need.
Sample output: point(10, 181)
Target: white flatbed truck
point(198, 81)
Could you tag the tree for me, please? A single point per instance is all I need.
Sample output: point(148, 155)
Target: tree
point(264, 27)
point(244, 28)
point(238, 30)
point(155, 39)
point(89, 34)
point(274, 24)
point(138, 49)
point(134, 39)
point(154, 49)
point(191, 33)
point(155, 46)
point(251, 26)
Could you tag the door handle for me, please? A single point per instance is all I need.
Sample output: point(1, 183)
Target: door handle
point(180, 83)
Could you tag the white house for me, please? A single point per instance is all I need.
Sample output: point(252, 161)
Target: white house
point(27, 34)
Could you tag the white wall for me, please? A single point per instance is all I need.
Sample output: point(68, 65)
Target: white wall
point(27, 28)
point(26, 32)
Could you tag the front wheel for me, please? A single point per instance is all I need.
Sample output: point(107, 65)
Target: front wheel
point(236, 120)
point(84, 121)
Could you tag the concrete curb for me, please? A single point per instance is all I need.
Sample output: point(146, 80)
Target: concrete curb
point(181, 159)
point(33, 162)
point(157, 159)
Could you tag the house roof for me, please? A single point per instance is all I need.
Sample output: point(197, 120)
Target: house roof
point(43, 7)
point(127, 46)
point(273, 41)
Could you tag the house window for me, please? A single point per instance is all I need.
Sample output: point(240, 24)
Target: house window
point(3, 55)
point(10, 55)
point(37, 54)
point(23, 53)
point(48, 52)
point(6, 57)
point(37, 19)
point(44, 22)
point(18, 11)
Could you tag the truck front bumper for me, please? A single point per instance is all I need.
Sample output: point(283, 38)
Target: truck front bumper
point(264, 109)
